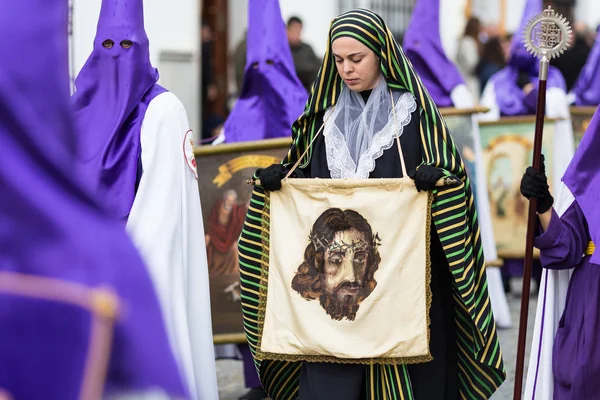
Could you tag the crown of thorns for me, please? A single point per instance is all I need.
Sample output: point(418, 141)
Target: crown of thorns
point(320, 242)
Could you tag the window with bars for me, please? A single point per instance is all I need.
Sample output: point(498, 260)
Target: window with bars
point(396, 13)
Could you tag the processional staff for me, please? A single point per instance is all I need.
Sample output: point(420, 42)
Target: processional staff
point(546, 36)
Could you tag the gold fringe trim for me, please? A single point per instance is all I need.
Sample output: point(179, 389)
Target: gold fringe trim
point(262, 356)
point(264, 273)
point(262, 303)
point(591, 247)
point(428, 292)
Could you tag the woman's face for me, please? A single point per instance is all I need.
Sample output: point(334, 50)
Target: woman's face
point(357, 65)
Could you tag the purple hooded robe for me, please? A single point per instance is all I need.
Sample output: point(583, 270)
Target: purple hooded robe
point(51, 226)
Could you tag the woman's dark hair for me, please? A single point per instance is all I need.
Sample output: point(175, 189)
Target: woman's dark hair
point(493, 52)
point(473, 27)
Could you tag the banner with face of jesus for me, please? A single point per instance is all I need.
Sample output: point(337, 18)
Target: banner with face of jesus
point(348, 272)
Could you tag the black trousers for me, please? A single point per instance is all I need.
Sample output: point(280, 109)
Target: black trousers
point(435, 380)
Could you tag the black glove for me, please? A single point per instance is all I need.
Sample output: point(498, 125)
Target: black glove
point(535, 184)
point(270, 177)
point(426, 177)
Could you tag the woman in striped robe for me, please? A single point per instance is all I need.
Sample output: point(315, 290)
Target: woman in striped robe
point(467, 362)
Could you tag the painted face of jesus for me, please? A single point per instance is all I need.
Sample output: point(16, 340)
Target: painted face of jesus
point(345, 265)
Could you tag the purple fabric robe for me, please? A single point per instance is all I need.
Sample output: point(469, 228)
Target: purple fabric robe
point(272, 97)
point(513, 267)
point(576, 354)
point(113, 91)
point(509, 96)
point(423, 47)
point(51, 226)
point(582, 177)
point(587, 86)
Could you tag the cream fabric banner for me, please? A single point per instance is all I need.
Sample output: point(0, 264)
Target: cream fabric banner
point(348, 272)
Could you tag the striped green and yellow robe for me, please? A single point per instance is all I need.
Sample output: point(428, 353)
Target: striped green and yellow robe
point(480, 366)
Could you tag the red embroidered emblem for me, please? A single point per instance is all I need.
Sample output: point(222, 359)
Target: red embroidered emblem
point(188, 152)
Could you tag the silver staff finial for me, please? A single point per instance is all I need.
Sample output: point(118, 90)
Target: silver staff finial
point(547, 34)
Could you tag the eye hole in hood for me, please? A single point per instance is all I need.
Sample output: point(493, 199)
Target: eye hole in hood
point(126, 44)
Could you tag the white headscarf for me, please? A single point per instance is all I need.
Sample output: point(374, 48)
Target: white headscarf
point(357, 133)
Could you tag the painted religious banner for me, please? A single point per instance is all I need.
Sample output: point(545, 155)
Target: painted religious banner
point(507, 152)
point(581, 117)
point(225, 195)
point(345, 258)
point(464, 128)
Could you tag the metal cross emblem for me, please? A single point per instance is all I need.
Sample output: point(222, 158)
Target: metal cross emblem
point(547, 34)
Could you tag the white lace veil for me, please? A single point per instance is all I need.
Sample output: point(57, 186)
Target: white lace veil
point(367, 129)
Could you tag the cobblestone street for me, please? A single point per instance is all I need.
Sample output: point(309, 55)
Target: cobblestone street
point(231, 379)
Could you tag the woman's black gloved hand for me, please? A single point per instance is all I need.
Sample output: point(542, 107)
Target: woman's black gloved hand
point(426, 177)
point(270, 177)
point(535, 184)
